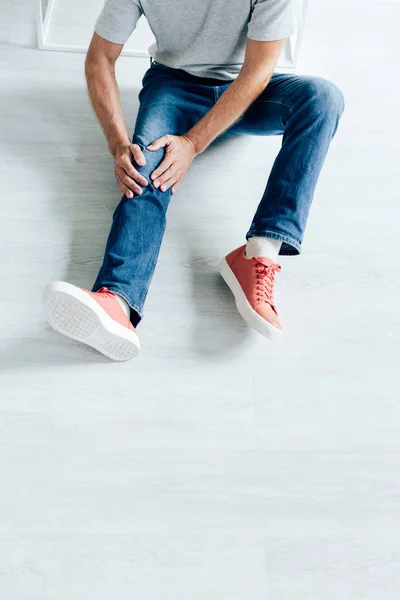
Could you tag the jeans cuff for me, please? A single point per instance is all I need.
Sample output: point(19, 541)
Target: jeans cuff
point(290, 246)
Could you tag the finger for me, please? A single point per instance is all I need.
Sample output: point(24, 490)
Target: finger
point(122, 175)
point(177, 184)
point(170, 182)
point(160, 170)
point(159, 143)
point(126, 165)
point(138, 155)
point(130, 183)
point(168, 174)
point(124, 190)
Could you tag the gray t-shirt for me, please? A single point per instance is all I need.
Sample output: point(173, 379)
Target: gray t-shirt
point(206, 38)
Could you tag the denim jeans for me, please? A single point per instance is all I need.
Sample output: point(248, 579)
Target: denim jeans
point(305, 110)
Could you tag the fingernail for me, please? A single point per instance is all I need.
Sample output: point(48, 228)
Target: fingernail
point(163, 188)
point(156, 184)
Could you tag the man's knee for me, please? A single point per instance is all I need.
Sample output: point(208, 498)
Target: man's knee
point(153, 159)
point(325, 96)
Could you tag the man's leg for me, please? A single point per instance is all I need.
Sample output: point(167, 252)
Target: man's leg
point(306, 110)
point(103, 318)
point(167, 105)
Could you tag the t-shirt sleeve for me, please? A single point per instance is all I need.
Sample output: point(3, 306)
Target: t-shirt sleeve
point(117, 20)
point(272, 20)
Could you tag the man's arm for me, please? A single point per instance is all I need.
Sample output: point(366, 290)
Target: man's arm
point(104, 95)
point(255, 74)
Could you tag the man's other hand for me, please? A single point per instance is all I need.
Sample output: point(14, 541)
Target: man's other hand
point(179, 155)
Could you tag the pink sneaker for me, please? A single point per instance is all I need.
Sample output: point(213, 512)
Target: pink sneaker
point(93, 318)
point(252, 283)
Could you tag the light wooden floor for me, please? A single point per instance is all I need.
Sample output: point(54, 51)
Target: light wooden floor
point(215, 465)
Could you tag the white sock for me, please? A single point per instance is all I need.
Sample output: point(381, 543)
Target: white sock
point(124, 305)
point(263, 247)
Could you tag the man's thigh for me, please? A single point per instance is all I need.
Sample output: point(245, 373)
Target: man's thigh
point(168, 105)
point(268, 114)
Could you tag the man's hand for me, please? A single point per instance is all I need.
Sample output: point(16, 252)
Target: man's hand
point(179, 155)
point(128, 178)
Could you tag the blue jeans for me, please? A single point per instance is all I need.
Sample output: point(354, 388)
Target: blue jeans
point(306, 110)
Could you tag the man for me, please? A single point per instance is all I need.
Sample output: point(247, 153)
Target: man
point(212, 71)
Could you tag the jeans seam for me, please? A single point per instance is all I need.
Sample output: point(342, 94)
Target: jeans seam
point(153, 266)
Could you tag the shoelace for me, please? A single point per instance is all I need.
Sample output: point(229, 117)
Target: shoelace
point(265, 280)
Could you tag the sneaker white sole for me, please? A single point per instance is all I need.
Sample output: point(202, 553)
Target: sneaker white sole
point(75, 314)
point(244, 307)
